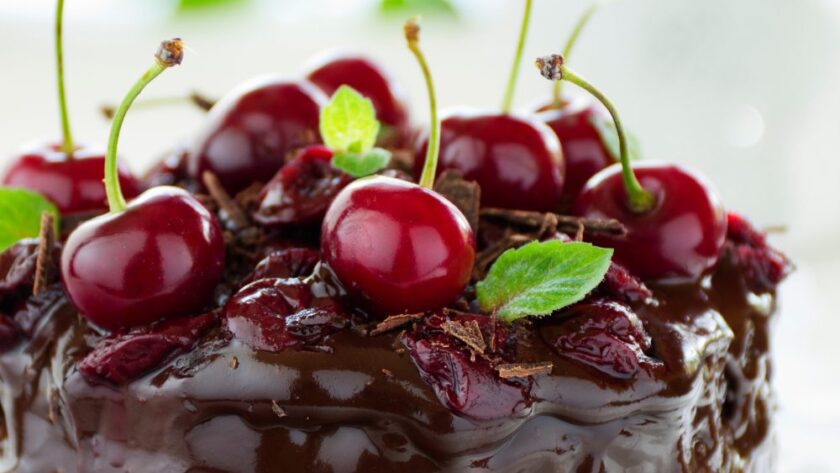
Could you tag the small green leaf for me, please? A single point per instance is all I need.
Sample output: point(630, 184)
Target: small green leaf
point(348, 122)
point(20, 215)
point(542, 277)
point(609, 138)
point(361, 165)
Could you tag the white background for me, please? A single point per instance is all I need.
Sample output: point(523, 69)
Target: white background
point(748, 91)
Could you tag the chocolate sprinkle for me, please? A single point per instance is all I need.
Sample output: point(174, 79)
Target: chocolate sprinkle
point(45, 267)
point(524, 370)
point(466, 195)
point(565, 223)
point(394, 322)
point(279, 411)
point(467, 332)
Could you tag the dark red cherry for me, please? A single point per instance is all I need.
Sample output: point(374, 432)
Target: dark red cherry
point(302, 190)
point(372, 81)
point(73, 185)
point(681, 236)
point(252, 129)
point(396, 246)
point(517, 160)
point(583, 149)
point(159, 258)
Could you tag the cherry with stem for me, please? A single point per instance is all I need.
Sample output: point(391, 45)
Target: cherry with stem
point(68, 174)
point(158, 257)
point(400, 247)
point(675, 221)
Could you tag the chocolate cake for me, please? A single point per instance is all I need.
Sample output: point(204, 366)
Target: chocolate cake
point(338, 317)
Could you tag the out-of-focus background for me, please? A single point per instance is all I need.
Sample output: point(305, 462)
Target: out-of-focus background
point(748, 91)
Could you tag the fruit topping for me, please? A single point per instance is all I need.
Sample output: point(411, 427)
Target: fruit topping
point(158, 257)
point(285, 263)
point(763, 266)
point(125, 356)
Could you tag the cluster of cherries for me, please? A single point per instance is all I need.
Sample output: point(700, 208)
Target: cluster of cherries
point(396, 246)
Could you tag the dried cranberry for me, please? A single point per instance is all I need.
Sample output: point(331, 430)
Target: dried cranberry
point(763, 267)
point(121, 358)
point(9, 334)
point(17, 267)
point(302, 190)
point(622, 284)
point(279, 314)
point(604, 335)
point(466, 384)
point(285, 263)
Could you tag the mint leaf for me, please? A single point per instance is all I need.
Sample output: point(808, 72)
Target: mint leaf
point(361, 165)
point(609, 138)
point(542, 277)
point(20, 215)
point(348, 122)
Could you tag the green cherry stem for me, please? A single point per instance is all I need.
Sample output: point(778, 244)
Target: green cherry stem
point(170, 53)
point(553, 68)
point(557, 101)
point(507, 104)
point(67, 143)
point(412, 36)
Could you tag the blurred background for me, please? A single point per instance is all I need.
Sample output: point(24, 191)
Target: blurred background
point(746, 91)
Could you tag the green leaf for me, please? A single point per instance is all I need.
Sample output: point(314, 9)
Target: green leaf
point(542, 277)
point(348, 122)
point(609, 138)
point(361, 165)
point(20, 215)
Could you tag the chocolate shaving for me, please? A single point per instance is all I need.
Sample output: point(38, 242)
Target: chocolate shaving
point(201, 101)
point(388, 373)
point(45, 267)
point(524, 370)
point(279, 411)
point(466, 195)
point(226, 203)
point(565, 223)
point(394, 322)
point(467, 332)
point(234, 362)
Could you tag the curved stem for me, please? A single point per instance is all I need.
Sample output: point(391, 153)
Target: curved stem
point(427, 178)
point(640, 200)
point(557, 101)
point(67, 143)
point(517, 59)
point(169, 54)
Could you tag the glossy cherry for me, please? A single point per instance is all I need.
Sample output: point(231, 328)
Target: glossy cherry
point(517, 160)
point(252, 129)
point(371, 80)
point(398, 246)
point(67, 174)
point(675, 222)
point(158, 257)
point(302, 190)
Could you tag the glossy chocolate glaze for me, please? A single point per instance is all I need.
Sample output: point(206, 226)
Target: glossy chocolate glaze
point(703, 405)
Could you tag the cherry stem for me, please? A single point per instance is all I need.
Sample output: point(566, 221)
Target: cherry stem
point(170, 53)
point(507, 104)
point(67, 143)
point(412, 36)
point(557, 101)
point(553, 68)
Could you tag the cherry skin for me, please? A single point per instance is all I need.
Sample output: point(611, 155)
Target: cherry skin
point(583, 148)
point(73, 185)
point(397, 247)
point(302, 190)
point(159, 258)
point(680, 237)
point(372, 81)
point(252, 129)
point(517, 160)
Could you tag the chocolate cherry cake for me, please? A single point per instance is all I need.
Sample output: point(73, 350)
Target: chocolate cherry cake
point(346, 315)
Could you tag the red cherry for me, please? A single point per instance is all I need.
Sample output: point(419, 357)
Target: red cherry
point(681, 236)
point(159, 258)
point(251, 130)
point(73, 185)
point(372, 81)
point(517, 160)
point(397, 246)
point(583, 150)
point(302, 190)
